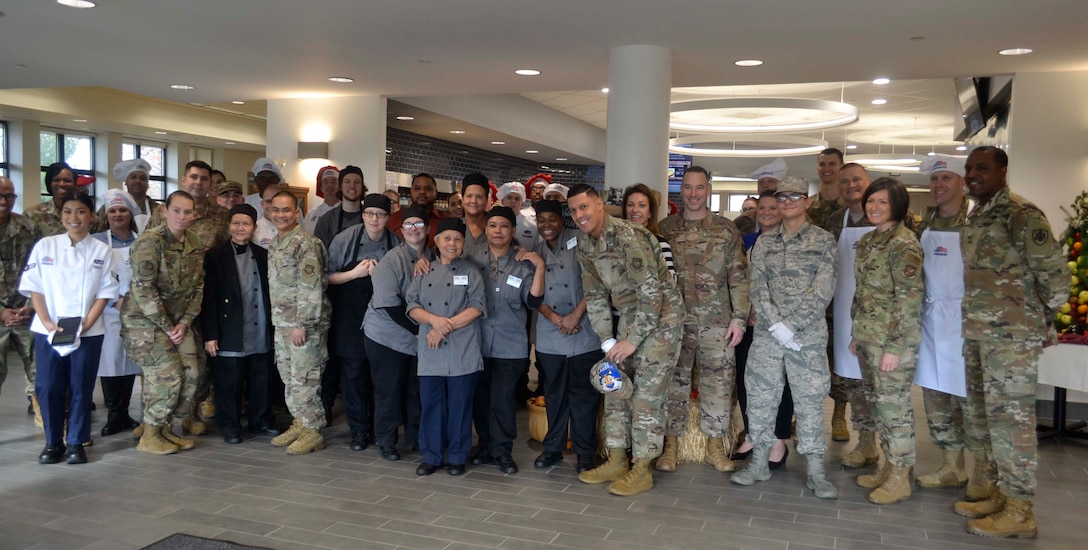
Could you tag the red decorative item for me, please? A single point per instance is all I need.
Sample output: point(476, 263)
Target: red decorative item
point(83, 181)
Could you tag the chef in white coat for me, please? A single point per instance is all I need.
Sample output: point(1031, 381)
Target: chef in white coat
point(941, 368)
point(116, 370)
point(136, 175)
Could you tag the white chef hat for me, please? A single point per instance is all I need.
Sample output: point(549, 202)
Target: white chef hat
point(264, 164)
point(117, 197)
point(122, 169)
point(511, 187)
point(943, 163)
point(556, 187)
point(776, 169)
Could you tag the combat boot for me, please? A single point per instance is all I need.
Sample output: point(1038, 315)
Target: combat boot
point(207, 408)
point(982, 508)
point(717, 457)
point(667, 461)
point(194, 425)
point(1015, 521)
point(817, 480)
point(37, 412)
point(182, 443)
point(875, 479)
point(757, 468)
point(839, 431)
point(615, 468)
point(153, 442)
point(864, 453)
point(638, 480)
point(950, 474)
point(983, 482)
point(138, 431)
point(896, 488)
point(308, 441)
point(288, 437)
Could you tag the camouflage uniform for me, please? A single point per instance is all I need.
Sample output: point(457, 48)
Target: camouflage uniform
point(46, 216)
point(624, 268)
point(793, 281)
point(17, 239)
point(296, 284)
point(167, 288)
point(819, 212)
point(1015, 278)
point(887, 313)
point(746, 223)
point(712, 274)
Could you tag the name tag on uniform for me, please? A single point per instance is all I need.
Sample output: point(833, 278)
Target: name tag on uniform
point(573, 242)
point(460, 280)
point(513, 281)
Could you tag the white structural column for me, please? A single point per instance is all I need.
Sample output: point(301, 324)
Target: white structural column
point(639, 85)
point(353, 126)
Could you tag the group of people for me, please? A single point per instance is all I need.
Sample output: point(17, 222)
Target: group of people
point(426, 319)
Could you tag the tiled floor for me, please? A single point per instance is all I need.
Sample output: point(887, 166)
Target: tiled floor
point(255, 494)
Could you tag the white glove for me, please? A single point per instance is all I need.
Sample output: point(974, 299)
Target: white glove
point(792, 344)
point(782, 333)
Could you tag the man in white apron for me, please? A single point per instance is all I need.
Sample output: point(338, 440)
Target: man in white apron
point(940, 370)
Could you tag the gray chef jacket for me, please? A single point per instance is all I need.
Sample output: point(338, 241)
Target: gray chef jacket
point(562, 292)
point(444, 292)
point(391, 278)
point(508, 303)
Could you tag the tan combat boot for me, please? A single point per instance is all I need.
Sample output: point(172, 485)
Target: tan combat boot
point(308, 441)
point(1015, 521)
point(288, 437)
point(37, 412)
point(950, 474)
point(207, 408)
point(896, 487)
point(875, 479)
point(615, 468)
point(839, 431)
point(716, 455)
point(182, 443)
point(153, 442)
point(638, 480)
point(982, 508)
point(983, 482)
point(194, 425)
point(138, 432)
point(668, 459)
point(864, 453)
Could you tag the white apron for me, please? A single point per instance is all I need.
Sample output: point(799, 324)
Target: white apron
point(940, 357)
point(141, 222)
point(846, 364)
point(114, 361)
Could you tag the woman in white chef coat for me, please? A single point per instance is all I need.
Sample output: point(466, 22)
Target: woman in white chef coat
point(69, 278)
point(116, 370)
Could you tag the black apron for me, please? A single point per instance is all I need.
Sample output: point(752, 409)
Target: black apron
point(349, 303)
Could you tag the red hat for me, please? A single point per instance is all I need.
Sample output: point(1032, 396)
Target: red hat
point(321, 174)
point(83, 181)
point(545, 177)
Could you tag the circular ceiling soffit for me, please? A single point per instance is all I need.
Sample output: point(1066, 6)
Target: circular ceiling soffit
point(834, 113)
point(795, 146)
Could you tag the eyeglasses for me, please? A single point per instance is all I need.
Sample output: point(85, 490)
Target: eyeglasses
point(792, 197)
point(378, 215)
point(10, 197)
point(413, 225)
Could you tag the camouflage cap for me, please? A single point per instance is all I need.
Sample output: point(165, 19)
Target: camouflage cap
point(793, 184)
point(227, 187)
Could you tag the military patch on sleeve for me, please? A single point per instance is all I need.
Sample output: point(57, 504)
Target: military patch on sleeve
point(910, 271)
point(146, 268)
point(636, 264)
point(308, 270)
point(1039, 236)
point(1039, 239)
point(913, 262)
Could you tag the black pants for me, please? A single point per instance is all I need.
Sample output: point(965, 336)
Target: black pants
point(330, 384)
point(357, 393)
point(782, 425)
point(396, 394)
point(230, 375)
point(494, 409)
point(117, 392)
point(571, 400)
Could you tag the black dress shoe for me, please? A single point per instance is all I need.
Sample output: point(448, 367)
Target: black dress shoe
point(233, 438)
point(110, 429)
point(455, 469)
point(426, 469)
point(76, 455)
point(547, 459)
point(482, 458)
point(741, 455)
point(585, 462)
point(359, 441)
point(52, 454)
point(390, 453)
point(506, 464)
point(776, 464)
point(267, 429)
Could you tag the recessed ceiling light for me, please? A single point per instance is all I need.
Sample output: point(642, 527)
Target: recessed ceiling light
point(238, 102)
point(457, 131)
point(748, 63)
point(527, 72)
point(20, 66)
point(160, 132)
point(498, 143)
point(879, 101)
point(404, 117)
point(560, 158)
point(532, 151)
point(81, 4)
point(341, 79)
point(604, 90)
point(931, 154)
point(1015, 51)
point(881, 81)
point(229, 142)
point(182, 87)
point(961, 148)
point(851, 147)
point(80, 120)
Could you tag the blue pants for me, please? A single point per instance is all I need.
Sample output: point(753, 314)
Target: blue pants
point(446, 420)
point(73, 375)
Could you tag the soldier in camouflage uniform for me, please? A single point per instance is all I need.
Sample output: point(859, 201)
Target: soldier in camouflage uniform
point(886, 332)
point(60, 182)
point(300, 315)
point(156, 321)
point(1014, 280)
point(792, 282)
point(712, 273)
point(622, 267)
point(17, 237)
point(209, 227)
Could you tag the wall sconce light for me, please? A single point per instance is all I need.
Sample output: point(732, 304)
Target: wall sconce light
point(313, 150)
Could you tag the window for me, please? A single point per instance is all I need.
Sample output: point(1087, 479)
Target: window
point(736, 200)
point(3, 148)
point(76, 150)
point(155, 155)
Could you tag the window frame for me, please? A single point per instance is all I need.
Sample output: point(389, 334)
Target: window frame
point(60, 134)
point(5, 162)
point(137, 145)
